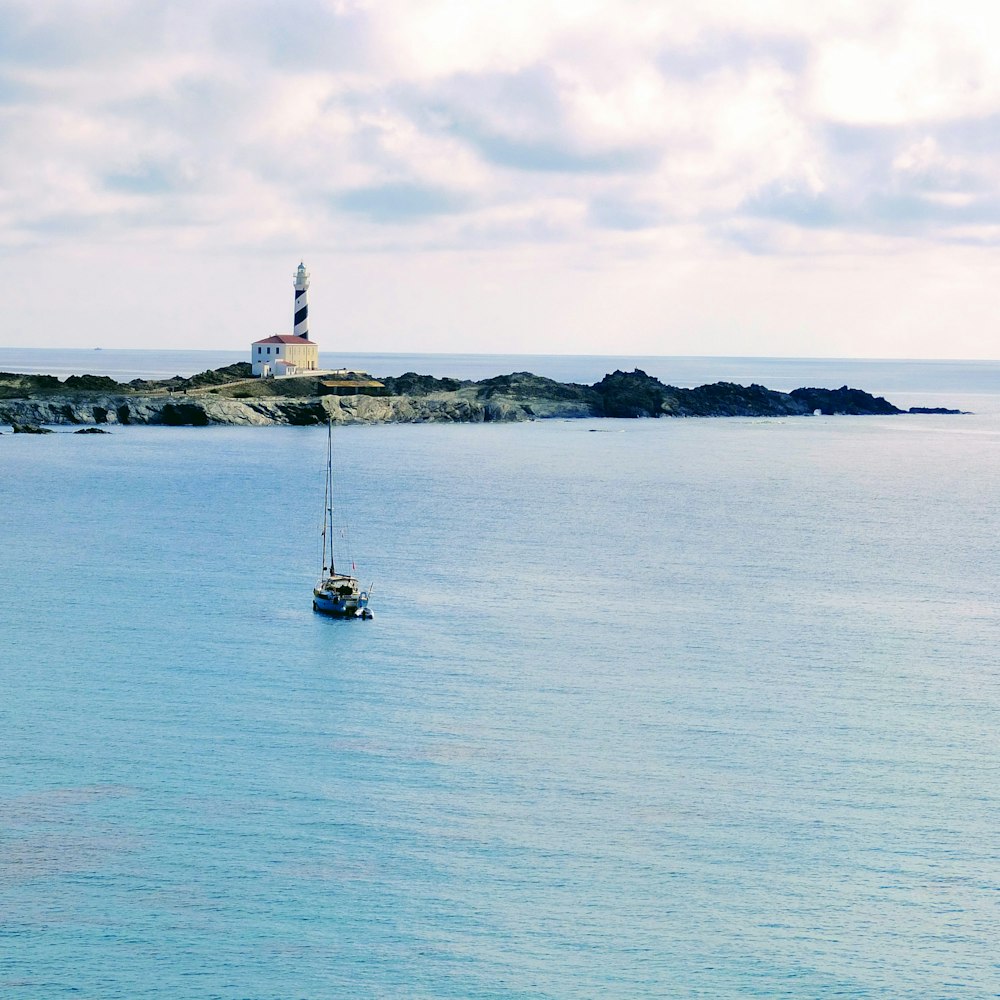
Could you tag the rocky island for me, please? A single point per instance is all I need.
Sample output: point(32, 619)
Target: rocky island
point(231, 396)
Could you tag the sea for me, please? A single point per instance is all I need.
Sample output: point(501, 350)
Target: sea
point(668, 708)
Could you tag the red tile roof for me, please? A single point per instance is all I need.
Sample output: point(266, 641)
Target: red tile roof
point(284, 338)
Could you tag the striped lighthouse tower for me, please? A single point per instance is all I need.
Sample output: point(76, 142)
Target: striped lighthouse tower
point(301, 305)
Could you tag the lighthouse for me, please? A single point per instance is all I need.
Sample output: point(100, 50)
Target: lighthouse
point(301, 304)
point(288, 354)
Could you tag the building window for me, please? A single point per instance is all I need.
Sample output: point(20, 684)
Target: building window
point(260, 350)
point(269, 350)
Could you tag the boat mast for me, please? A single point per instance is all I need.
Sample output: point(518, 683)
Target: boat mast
point(328, 525)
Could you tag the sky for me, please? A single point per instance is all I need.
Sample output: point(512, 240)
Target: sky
point(553, 176)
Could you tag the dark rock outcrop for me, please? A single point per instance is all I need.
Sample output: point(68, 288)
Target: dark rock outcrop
point(853, 402)
point(636, 394)
point(93, 383)
point(522, 395)
point(218, 376)
point(227, 396)
point(412, 384)
point(525, 385)
point(727, 399)
point(631, 394)
point(16, 386)
point(141, 385)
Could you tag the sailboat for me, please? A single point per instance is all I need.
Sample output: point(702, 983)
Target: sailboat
point(336, 594)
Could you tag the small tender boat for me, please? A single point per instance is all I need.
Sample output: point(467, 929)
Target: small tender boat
point(336, 594)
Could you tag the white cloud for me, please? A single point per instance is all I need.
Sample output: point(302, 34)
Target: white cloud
point(630, 147)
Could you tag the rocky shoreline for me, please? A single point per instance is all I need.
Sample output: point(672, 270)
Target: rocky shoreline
point(230, 396)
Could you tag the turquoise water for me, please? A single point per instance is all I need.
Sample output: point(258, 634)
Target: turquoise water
point(698, 708)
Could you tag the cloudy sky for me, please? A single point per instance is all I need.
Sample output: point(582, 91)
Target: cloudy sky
point(577, 176)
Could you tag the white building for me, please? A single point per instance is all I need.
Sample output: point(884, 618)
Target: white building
point(284, 354)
